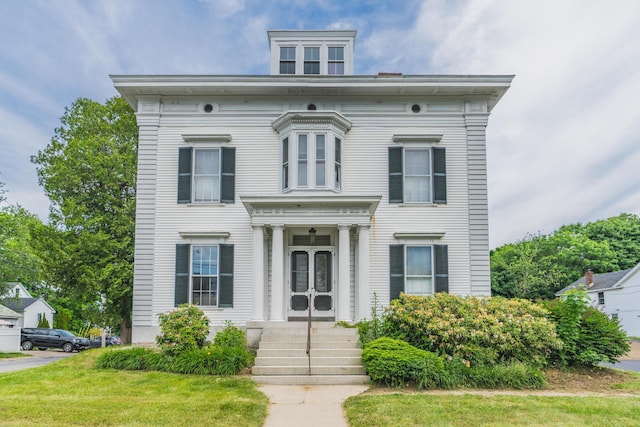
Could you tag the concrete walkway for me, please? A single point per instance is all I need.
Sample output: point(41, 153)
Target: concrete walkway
point(308, 405)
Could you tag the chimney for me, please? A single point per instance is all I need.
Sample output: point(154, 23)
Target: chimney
point(588, 279)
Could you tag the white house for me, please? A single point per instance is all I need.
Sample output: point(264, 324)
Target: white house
point(9, 330)
point(261, 197)
point(19, 299)
point(616, 294)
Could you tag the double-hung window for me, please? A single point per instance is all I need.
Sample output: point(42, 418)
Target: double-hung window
point(311, 60)
point(418, 269)
point(417, 175)
point(335, 60)
point(601, 298)
point(287, 60)
point(204, 275)
point(313, 167)
point(206, 175)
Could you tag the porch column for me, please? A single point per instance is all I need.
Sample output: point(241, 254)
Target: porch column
point(363, 288)
point(344, 285)
point(258, 273)
point(277, 273)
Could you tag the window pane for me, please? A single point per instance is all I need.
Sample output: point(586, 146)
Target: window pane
point(320, 173)
point(419, 286)
point(285, 150)
point(335, 68)
point(287, 68)
point(302, 160)
point(338, 150)
point(207, 162)
point(312, 68)
point(287, 53)
point(320, 147)
point(336, 54)
point(416, 162)
point(206, 189)
point(312, 54)
point(419, 261)
point(417, 189)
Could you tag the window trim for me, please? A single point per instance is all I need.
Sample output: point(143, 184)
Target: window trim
point(335, 61)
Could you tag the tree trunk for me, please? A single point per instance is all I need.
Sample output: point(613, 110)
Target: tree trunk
point(125, 331)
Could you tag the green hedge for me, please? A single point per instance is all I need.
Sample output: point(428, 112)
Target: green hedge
point(483, 331)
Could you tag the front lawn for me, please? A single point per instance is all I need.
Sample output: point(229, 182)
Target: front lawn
point(476, 410)
point(72, 392)
point(11, 355)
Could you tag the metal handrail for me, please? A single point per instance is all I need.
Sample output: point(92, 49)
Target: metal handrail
point(309, 333)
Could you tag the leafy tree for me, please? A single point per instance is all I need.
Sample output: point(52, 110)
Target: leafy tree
point(540, 265)
point(88, 171)
point(18, 261)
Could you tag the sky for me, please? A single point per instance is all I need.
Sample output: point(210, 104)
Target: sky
point(563, 144)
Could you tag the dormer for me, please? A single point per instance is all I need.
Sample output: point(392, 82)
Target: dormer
point(312, 52)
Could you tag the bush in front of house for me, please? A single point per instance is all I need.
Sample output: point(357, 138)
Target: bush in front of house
point(589, 336)
point(482, 331)
point(396, 363)
point(227, 356)
point(183, 329)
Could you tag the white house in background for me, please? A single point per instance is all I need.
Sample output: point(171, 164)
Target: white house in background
point(262, 197)
point(616, 294)
point(19, 299)
point(9, 330)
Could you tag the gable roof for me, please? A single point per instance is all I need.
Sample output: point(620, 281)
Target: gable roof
point(20, 304)
point(600, 281)
point(7, 313)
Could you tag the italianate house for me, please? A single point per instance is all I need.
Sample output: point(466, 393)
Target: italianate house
point(309, 192)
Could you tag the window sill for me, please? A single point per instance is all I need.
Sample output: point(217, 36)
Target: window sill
point(212, 204)
point(402, 205)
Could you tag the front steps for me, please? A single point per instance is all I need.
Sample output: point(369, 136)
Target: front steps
point(335, 355)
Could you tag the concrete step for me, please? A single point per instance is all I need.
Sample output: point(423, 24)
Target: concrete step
point(302, 345)
point(315, 352)
point(303, 338)
point(312, 379)
point(304, 370)
point(304, 361)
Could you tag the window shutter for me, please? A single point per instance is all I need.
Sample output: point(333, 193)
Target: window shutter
point(395, 175)
point(228, 178)
point(184, 175)
point(181, 295)
point(439, 176)
point(442, 268)
point(396, 270)
point(225, 289)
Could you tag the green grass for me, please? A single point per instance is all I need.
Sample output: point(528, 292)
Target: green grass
point(12, 355)
point(72, 392)
point(474, 410)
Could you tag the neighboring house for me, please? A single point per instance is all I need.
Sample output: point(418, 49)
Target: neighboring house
point(21, 301)
point(261, 197)
point(616, 294)
point(9, 330)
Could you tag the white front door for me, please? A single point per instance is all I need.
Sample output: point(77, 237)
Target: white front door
point(311, 283)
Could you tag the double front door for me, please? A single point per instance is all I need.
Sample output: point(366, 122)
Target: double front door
point(311, 283)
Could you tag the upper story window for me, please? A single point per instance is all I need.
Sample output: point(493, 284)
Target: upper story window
point(311, 150)
point(312, 60)
point(206, 175)
point(313, 52)
point(287, 60)
point(336, 60)
point(601, 298)
point(417, 173)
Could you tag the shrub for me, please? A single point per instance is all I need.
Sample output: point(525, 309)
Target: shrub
point(43, 322)
point(183, 329)
point(397, 363)
point(590, 336)
point(230, 336)
point(483, 331)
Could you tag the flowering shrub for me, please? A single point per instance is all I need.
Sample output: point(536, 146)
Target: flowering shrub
point(482, 331)
point(185, 328)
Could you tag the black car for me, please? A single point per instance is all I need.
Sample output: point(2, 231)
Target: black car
point(51, 338)
point(97, 342)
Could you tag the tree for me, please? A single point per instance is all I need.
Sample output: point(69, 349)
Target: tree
point(88, 171)
point(540, 265)
point(18, 261)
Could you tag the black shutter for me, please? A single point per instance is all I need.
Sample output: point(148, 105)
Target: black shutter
point(181, 295)
point(395, 175)
point(184, 175)
point(442, 268)
point(396, 270)
point(225, 288)
point(439, 176)
point(228, 178)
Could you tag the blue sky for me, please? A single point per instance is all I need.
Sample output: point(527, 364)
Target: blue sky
point(563, 144)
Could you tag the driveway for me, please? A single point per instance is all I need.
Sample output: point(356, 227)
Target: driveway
point(34, 359)
point(630, 362)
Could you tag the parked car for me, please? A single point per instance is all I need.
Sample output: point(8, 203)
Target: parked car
point(51, 338)
point(97, 342)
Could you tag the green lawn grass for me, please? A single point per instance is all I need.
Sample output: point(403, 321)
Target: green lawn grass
point(11, 355)
point(473, 410)
point(72, 392)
